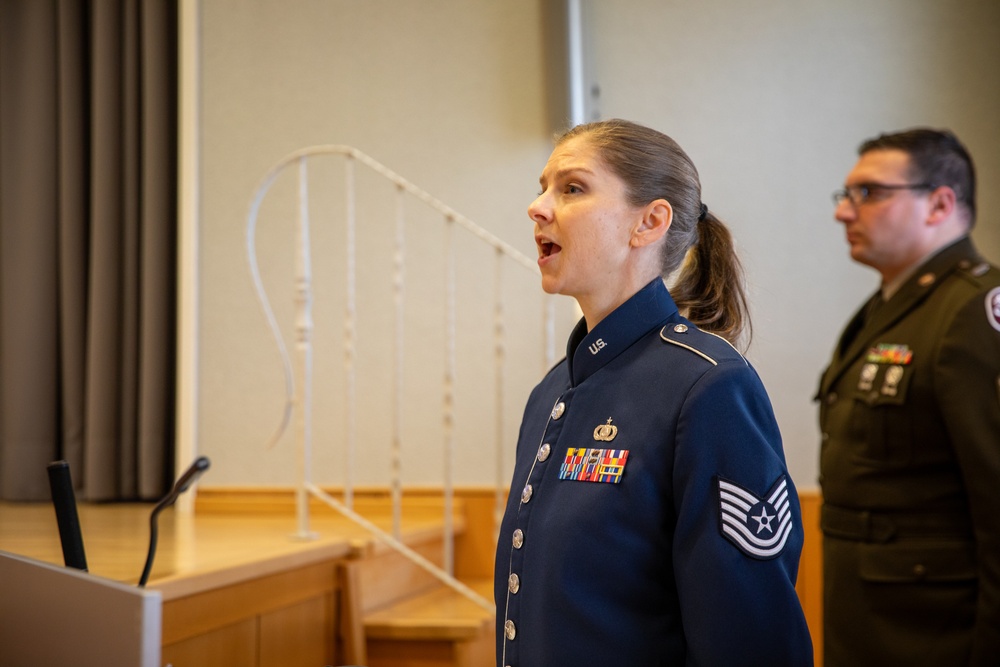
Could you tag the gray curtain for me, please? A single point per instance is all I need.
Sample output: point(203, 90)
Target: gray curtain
point(88, 220)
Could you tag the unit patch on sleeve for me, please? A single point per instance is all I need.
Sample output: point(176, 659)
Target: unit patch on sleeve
point(759, 527)
point(993, 308)
point(594, 465)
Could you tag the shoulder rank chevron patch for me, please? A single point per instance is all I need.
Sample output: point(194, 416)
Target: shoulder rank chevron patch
point(759, 527)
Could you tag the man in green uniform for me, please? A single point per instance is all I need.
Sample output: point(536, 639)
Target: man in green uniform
point(910, 420)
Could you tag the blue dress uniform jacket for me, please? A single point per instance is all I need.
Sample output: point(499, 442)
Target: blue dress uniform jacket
point(910, 471)
point(651, 519)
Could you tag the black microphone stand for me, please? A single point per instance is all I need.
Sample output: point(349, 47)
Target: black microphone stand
point(189, 477)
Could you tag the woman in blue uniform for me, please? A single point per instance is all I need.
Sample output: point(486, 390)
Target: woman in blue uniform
point(651, 518)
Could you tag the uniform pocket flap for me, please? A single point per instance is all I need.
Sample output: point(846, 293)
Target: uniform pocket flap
point(937, 561)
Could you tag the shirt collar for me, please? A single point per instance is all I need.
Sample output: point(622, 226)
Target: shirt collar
point(646, 310)
point(888, 289)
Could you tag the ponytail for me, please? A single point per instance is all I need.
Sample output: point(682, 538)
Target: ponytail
point(710, 289)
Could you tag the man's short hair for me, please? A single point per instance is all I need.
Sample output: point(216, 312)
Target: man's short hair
point(937, 157)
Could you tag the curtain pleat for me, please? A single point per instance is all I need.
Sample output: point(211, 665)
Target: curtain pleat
point(103, 470)
point(29, 354)
point(157, 360)
point(87, 245)
point(74, 204)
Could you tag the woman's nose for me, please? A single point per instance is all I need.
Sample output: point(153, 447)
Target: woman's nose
point(539, 211)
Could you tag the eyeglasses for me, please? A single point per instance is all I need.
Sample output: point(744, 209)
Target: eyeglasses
point(862, 193)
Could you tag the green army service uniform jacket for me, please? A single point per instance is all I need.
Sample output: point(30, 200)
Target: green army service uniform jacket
point(910, 472)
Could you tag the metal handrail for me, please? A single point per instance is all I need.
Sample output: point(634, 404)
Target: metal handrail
point(304, 328)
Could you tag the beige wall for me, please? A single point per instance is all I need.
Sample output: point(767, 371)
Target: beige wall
point(447, 93)
point(770, 99)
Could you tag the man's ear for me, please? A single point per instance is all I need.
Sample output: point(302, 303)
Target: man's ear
point(943, 202)
point(656, 219)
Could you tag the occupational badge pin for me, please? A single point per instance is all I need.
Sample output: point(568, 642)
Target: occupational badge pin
point(605, 432)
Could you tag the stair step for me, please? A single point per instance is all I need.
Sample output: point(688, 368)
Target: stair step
point(440, 614)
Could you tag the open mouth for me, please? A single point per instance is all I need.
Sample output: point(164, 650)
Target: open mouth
point(547, 249)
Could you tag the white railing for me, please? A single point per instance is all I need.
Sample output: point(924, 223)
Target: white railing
point(298, 394)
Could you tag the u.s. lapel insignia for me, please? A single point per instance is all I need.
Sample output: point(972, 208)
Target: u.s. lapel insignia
point(759, 527)
point(594, 465)
point(605, 432)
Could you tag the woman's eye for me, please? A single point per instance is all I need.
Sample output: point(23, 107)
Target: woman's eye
point(573, 188)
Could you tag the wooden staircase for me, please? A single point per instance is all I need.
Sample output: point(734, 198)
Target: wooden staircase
point(395, 614)
point(390, 612)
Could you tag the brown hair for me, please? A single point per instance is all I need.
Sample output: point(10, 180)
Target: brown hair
point(710, 286)
point(937, 158)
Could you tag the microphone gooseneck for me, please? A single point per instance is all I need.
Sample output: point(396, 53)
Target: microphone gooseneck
point(189, 477)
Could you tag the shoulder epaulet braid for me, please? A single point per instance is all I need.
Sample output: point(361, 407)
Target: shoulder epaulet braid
point(974, 272)
point(701, 354)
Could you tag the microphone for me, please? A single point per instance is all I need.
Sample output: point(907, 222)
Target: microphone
point(189, 477)
point(64, 501)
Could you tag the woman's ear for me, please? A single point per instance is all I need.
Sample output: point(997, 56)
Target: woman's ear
point(656, 219)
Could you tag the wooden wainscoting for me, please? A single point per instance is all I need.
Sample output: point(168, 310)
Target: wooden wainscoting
point(289, 618)
point(810, 583)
